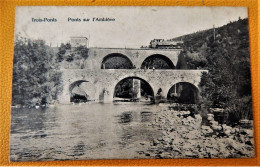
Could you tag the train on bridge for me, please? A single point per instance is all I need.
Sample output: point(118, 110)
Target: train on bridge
point(165, 44)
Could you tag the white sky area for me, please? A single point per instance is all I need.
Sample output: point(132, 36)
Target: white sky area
point(132, 28)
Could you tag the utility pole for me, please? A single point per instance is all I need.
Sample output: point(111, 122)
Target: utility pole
point(88, 40)
point(214, 32)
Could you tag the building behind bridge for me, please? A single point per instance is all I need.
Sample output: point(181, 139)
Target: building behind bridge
point(77, 41)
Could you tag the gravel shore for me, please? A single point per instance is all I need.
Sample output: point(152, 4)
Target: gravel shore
point(185, 137)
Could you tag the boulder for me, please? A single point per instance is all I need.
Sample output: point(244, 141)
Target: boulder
point(244, 121)
point(216, 127)
point(215, 123)
point(248, 132)
point(210, 115)
point(236, 129)
point(227, 131)
point(189, 119)
point(198, 117)
point(189, 153)
point(226, 126)
point(206, 129)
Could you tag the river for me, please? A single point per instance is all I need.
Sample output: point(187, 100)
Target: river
point(86, 131)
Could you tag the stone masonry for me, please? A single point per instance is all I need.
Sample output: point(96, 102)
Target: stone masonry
point(103, 81)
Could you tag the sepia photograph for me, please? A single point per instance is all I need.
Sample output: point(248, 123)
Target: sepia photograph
point(131, 82)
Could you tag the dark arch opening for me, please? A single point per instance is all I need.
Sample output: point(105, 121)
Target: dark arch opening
point(183, 92)
point(157, 61)
point(77, 92)
point(133, 89)
point(116, 61)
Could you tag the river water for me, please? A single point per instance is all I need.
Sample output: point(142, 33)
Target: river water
point(86, 131)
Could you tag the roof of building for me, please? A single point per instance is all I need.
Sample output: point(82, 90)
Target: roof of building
point(79, 37)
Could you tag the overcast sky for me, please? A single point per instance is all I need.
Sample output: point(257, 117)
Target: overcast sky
point(133, 26)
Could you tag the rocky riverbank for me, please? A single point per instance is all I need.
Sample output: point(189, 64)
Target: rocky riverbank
point(185, 137)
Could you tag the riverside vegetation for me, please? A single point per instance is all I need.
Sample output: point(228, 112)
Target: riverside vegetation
point(225, 54)
point(36, 76)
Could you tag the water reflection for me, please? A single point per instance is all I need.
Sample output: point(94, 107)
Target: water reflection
point(90, 131)
point(125, 117)
point(79, 149)
point(146, 116)
point(126, 137)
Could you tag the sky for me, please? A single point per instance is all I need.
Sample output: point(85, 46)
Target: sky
point(132, 28)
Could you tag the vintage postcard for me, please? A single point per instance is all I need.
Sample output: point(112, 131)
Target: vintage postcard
point(131, 83)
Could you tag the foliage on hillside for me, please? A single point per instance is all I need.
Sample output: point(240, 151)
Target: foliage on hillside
point(68, 55)
point(117, 62)
point(157, 62)
point(35, 79)
point(226, 56)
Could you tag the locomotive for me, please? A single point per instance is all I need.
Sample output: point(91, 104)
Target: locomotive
point(165, 44)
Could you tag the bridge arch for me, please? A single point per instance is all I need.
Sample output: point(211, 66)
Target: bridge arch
point(183, 92)
point(110, 61)
point(81, 91)
point(149, 88)
point(163, 62)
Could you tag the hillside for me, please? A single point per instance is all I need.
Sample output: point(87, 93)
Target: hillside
point(227, 58)
point(233, 34)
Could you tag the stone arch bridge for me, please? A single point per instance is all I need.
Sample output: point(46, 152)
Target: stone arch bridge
point(135, 56)
point(104, 81)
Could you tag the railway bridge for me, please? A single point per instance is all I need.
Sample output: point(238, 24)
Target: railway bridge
point(102, 81)
point(98, 56)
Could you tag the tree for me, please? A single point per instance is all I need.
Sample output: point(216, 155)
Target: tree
point(228, 83)
point(181, 64)
point(32, 72)
point(82, 50)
